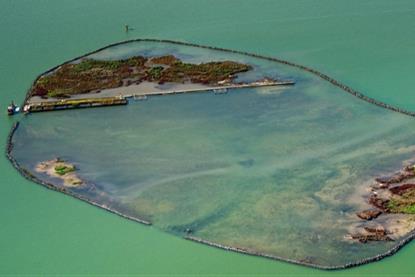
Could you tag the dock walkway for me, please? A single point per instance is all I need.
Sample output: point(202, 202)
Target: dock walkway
point(76, 104)
point(122, 99)
point(220, 89)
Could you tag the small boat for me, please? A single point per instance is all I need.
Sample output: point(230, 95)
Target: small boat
point(12, 109)
point(140, 97)
point(220, 91)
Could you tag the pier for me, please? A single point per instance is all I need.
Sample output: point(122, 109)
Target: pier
point(216, 89)
point(91, 102)
point(76, 104)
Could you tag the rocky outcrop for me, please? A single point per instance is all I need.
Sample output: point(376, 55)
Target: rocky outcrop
point(391, 195)
point(379, 203)
point(403, 189)
point(372, 234)
point(407, 173)
point(369, 214)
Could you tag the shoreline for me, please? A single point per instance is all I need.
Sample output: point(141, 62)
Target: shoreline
point(249, 252)
point(30, 177)
point(26, 174)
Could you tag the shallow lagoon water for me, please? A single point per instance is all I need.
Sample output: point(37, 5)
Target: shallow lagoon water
point(271, 170)
point(366, 44)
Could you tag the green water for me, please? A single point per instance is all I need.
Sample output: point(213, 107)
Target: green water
point(365, 44)
point(273, 170)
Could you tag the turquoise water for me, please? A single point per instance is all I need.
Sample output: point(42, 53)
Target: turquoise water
point(366, 44)
point(272, 170)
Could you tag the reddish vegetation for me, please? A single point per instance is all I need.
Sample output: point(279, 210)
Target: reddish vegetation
point(379, 203)
point(407, 173)
point(391, 195)
point(372, 234)
point(369, 214)
point(401, 198)
point(93, 75)
point(401, 190)
point(166, 60)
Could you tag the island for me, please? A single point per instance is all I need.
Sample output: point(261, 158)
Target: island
point(91, 83)
point(62, 170)
point(89, 76)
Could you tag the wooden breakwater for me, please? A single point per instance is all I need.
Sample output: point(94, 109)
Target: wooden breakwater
point(364, 261)
point(76, 104)
point(29, 176)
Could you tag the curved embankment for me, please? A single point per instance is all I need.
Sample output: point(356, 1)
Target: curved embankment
point(29, 176)
point(25, 173)
point(250, 252)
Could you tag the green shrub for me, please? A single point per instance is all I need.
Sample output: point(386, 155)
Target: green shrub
point(63, 169)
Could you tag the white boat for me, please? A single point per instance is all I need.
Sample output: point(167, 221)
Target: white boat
point(12, 109)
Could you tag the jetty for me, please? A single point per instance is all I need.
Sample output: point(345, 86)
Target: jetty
point(216, 89)
point(75, 104)
point(90, 102)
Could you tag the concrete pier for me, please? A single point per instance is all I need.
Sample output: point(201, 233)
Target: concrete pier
point(214, 89)
point(91, 102)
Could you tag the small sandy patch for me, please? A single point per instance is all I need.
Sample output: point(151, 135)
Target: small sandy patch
point(58, 168)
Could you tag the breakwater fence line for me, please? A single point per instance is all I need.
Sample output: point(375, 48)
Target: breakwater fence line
point(29, 176)
point(250, 252)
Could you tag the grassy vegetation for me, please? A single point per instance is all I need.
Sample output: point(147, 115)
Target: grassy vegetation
point(410, 209)
point(64, 169)
point(94, 75)
point(88, 64)
point(404, 203)
point(205, 73)
point(155, 72)
point(51, 105)
point(58, 94)
point(166, 60)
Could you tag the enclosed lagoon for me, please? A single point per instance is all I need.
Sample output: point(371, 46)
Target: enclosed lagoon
point(274, 171)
